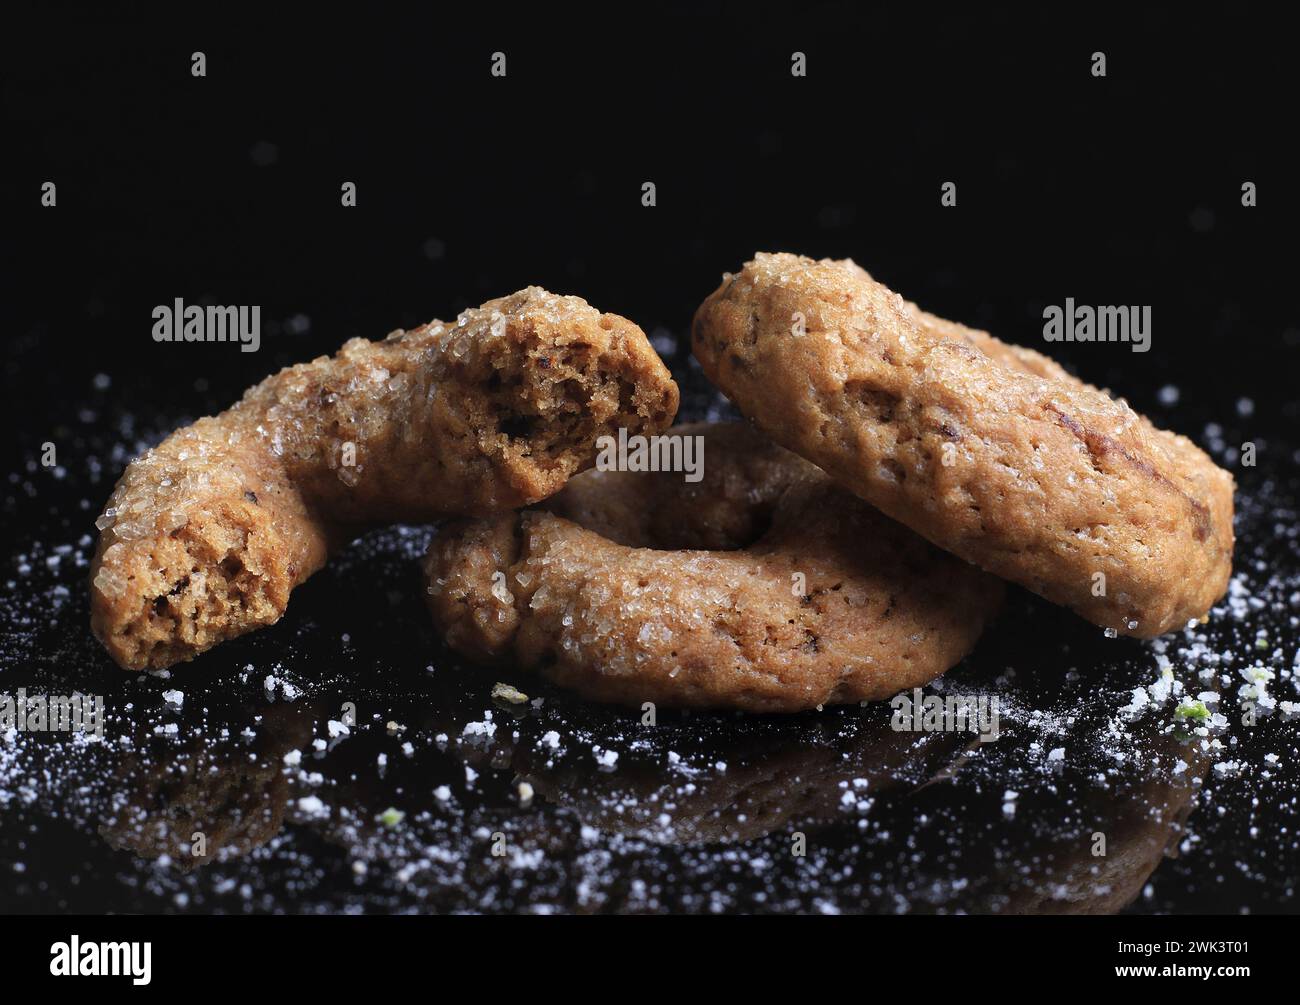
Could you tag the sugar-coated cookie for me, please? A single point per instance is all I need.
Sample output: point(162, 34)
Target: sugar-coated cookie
point(990, 451)
point(764, 587)
point(206, 534)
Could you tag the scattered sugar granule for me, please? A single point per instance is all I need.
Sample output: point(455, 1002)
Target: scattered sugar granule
point(1258, 675)
point(605, 758)
point(487, 728)
point(1138, 703)
point(1161, 690)
point(313, 807)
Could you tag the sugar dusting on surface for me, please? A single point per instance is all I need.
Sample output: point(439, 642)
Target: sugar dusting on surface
point(344, 761)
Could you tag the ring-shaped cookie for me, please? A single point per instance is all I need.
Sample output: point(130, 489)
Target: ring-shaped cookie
point(764, 587)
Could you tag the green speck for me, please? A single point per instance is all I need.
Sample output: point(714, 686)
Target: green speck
point(391, 817)
point(1192, 710)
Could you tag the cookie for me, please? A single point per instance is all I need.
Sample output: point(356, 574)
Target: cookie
point(206, 534)
point(990, 451)
point(764, 587)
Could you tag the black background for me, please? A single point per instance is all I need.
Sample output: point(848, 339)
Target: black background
point(1117, 190)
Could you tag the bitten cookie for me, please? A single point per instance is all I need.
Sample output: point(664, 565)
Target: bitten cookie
point(990, 451)
point(764, 587)
point(206, 534)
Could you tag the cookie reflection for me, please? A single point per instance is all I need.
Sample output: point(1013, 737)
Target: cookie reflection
point(207, 799)
point(923, 822)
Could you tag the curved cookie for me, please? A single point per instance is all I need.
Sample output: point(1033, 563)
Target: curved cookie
point(206, 534)
point(609, 613)
point(988, 450)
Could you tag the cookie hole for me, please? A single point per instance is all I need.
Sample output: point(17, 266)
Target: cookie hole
point(892, 471)
point(878, 404)
point(518, 427)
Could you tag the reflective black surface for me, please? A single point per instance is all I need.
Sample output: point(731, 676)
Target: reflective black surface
point(1076, 807)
